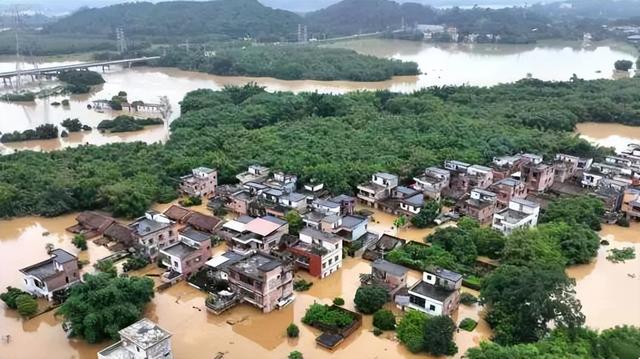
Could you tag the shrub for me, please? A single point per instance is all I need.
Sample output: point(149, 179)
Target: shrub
point(377, 331)
point(302, 285)
point(621, 255)
point(471, 282)
point(80, 241)
point(9, 297)
point(26, 305)
point(623, 222)
point(438, 336)
point(410, 330)
point(293, 331)
point(191, 201)
point(134, 263)
point(468, 324)
point(106, 267)
point(72, 125)
point(384, 320)
point(468, 298)
point(295, 355)
point(338, 301)
point(327, 316)
point(369, 299)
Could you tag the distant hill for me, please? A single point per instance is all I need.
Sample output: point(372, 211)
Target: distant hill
point(354, 16)
point(232, 18)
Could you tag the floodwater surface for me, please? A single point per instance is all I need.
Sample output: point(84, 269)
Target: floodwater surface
point(442, 64)
point(609, 134)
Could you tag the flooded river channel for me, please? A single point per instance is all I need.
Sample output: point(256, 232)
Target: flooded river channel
point(442, 64)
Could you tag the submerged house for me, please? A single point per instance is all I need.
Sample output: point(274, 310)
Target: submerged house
point(143, 339)
point(480, 205)
point(507, 189)
point(258, 234)
point(152, 233)
point(318, 252)
point(631, 203)
point(378, 189)
point(388, 275)
point(58, 272)
point(187, 256)
point(438, 293)
point(520, 214)
point(432, 182)
point(91, 224)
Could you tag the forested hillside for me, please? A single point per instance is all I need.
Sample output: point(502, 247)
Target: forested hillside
point(360, 133)
point(232, 18)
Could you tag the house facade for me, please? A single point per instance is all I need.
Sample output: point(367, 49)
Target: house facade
point(432, 182)
point(141, 340)
point(520, 214)
point(538, 176)
point(508, 189)
point(187, 256)
point(259, 234)
point(631, 203)
point(152, 233)
point(438, 293)
point(388, 275)
point(480, 205)
point(202, 182)
point(318, 252)
point(262, 280)
point(58, 272)
point(378, 189)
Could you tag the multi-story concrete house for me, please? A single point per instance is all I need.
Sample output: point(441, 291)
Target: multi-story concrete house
point(378, 189)
point(507, 189)
point(262, 280)
point(505, 166)
point(438, 293)
point(202, 182)
point(320, 253)
point(143, 339)
point(537, 176)
point(591, 180)
point(58, 272)
point(631, 203)
point(240, 202)
point(254, 173)
point(403, 201)
point(347, 203)
point(294, 201)
point(480, 176)
point(480, 205)
point(581, 163)
point(153, 232)
point(432, 182)
point(388, 275)
point(259, 234)
point(520, 214)
point(187, 256)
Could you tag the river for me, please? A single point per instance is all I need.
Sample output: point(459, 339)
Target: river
point(609, 134)
point(450, 64)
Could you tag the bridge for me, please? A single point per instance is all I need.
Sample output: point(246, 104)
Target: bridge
point(54, 70)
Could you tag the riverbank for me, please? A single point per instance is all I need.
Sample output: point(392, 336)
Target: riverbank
point(609, 134)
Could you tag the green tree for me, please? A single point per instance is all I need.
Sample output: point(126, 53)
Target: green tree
point(410, 330)
point(575, 210)
point(295, 222)
point(428, 213)
point(532, 247)
point(295, 355)
point(102, 304)
point(338, 301)
point(293, 331)
point(438, 336)
point(107, 267)
point(384, 319)
point(523, 301)
point(578, 243)
point(11, 295)
point(369, 299)
point(623, 65)
point(26, 305)
point(400, 222)
point(80, 241)
point(457, 242)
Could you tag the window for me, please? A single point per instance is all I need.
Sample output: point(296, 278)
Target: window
point(432, 307)
point(420, 302)
point(337, 257)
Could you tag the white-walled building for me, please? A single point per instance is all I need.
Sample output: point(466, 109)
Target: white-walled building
point(438, 293)
point(143, 339)
point(520, 214)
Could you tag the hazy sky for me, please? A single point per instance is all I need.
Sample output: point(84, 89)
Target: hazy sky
point(58, 7)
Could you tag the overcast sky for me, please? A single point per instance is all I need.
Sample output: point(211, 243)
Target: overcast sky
point(58, 7)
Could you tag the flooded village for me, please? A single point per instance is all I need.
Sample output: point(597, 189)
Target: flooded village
point(239, 235)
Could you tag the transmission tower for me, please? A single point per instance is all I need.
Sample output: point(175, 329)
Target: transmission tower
point(122, 40)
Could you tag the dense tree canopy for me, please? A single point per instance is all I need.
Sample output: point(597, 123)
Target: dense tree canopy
point(102, 305)
point(289, 62)
point(585, 210)
point(523, 301)
point(233, 128)
point(370, 299)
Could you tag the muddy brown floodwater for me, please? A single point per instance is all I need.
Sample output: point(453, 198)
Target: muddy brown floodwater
point(609, 294)
point(609, 134)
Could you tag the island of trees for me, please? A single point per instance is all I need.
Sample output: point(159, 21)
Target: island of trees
point(289, 63)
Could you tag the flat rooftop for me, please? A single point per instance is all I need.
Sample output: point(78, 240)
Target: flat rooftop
point(144, 333)
point(256, 264)
point(180, 250)
point(431, 291)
